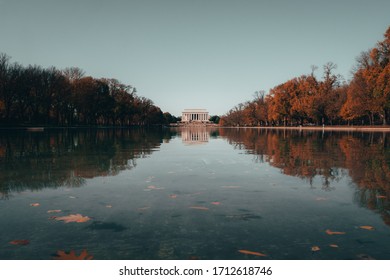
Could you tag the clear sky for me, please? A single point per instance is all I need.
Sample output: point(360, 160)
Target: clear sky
point(210, 54)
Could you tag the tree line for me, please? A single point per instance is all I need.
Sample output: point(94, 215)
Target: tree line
point(47, 96)
point(330, 100)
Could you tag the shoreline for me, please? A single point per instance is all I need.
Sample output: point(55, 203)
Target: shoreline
point(320, 128)
point(314, 128)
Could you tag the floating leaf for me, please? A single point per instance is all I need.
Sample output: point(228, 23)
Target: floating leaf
point(333, 245)
point(143, 208)
point(367, 227)
point(72, 197)
point(315, 248)
point(173, 196)
point(246, 252)
point(328, 231)
point(215, 203)
point(321, 199)
point(62, 255)
point(381, 196)
point(20, 242)
point(34, 204)
point(108, 206)
point(77, 218)
point(154, 188)
point(199, 208)
point(53, 211)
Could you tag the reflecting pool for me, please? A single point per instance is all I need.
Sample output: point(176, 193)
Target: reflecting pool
point(195, 193)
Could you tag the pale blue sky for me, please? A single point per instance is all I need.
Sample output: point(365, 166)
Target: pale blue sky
point(192, 54)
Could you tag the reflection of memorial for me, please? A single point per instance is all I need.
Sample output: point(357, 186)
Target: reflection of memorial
point(195, 136)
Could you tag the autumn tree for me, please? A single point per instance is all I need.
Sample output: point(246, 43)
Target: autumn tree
point(280, 104)
point(369, 90)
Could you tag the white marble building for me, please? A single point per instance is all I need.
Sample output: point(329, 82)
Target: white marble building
point(195, 115)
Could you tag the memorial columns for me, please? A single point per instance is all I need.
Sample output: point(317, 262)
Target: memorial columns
point(195, 115)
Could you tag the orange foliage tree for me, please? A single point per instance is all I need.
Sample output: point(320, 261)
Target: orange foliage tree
point(306, 99)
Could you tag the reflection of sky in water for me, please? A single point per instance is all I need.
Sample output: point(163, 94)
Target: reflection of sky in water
point(192, 201)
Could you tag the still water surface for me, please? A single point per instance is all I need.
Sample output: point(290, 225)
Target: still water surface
point(195, 194)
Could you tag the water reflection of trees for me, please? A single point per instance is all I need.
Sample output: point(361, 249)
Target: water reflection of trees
point(68, 157)
point(329, 155)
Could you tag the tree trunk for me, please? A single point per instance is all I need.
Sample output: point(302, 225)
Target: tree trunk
point(370, 118)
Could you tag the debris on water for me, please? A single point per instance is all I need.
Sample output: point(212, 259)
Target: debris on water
point(199, 208)
point(22, 242)
point(329, 232)
point(247, 252)
point(62, 255)
point(54, 211)
point(315, 249)
point(367, 227)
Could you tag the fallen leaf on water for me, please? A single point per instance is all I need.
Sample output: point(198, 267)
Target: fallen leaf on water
point(62, 255)
point(72, 197)
point(367, 227)
point(143, 208)
point(215, 203)
point(321, 199)
point(108, 206)
point(246, 252)
point(73, 218)
point(154, 188)
point(315, 248)
point(173, 196)
point(20, 242)
point(328, 231)
point(199, 208)
point(34, 204)
point(53, 211)
point(381, 196)
point(333, 245)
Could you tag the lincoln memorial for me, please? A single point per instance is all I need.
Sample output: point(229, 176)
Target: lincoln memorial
point(195, 115)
